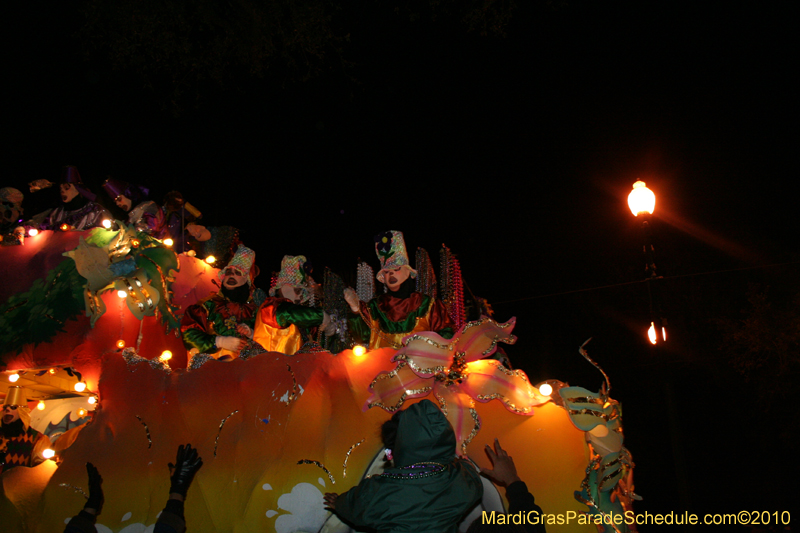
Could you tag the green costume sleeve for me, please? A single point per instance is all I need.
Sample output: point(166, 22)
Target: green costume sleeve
point(299, 315)
point(358, 329)
point(205, 343)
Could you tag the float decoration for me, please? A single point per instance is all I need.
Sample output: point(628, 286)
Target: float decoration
point(132, 263)
point(39, 313)
point(607, 488)
point(457, 373)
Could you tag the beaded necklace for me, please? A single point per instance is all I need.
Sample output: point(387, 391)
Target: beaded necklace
point(416, 471)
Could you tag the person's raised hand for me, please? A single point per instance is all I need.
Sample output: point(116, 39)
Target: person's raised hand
point(187, 463)
point(94, 504)
point(504, 472)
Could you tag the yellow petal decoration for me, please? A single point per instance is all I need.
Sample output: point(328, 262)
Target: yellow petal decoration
point(489, 380)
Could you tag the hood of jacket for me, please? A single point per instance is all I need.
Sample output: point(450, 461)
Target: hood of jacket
point(424, 434)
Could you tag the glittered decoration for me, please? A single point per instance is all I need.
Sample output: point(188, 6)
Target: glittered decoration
point(310, 347)
point(390, 248)
point(336, 306)
point(295, 389)
point(452, 286)
point(347, 456)
point(147, 432)
point(78, 490)
point(293, 274)
point(365, 282)
point(251, 349)
point(219, 431)
point(198, 360)
point(132, 359)
point(426, 278)
point(320, 465)
point(243, 259)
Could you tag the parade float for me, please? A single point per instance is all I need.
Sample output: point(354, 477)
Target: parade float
point(90, 330)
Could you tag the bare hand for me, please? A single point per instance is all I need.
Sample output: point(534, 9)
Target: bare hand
point(327, 326)
point(330, 500)
point(351, 298)
point(504, 472)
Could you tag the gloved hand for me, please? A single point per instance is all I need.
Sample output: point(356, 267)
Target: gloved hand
point(187, 463)
point(96, 499)
point(233, 344)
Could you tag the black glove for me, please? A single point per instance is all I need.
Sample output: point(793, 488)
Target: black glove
point(187, 463)
point(95, 500)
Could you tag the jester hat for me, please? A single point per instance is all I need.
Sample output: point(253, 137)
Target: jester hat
point(72, 176)
point(115, 188)
point(391, 250)
point(294, 272)
point(243, 259)
point(15, 396)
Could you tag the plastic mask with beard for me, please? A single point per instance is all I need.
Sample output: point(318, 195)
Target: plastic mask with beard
point(123, 202)
point(292, 293)
point(234, 285)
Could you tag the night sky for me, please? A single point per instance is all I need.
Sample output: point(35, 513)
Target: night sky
point(517, 151)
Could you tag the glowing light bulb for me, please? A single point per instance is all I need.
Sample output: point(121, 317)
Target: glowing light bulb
point(651, 333)
point(80, 386)
point(52, 371)
point(359, 350)
point(82, 412)
point(122, 294)
point(40, 406)
point(211, 259)
point(65, 227)
point(191, 253)
point(664, 333)
point(92, 400)
point(106, 223)
point(49, 453)
point(545, 389)
point(120, 344)
point(134, 242)
point(641, 199)
point(166, 355)
point(33, 232)
point(168, 242)
point(13, 378)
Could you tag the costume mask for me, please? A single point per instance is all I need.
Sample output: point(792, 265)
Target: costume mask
point(68, 192)
point(123, 202)
point(293, 293)
point(395, 277)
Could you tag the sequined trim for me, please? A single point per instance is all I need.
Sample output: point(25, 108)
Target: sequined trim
point(219, 431)
point(320, 465)
point(347, 457)
point(147, 431)
point(416, 471)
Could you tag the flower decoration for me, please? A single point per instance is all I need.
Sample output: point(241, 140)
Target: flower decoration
point(458, 374)
point(383, 244)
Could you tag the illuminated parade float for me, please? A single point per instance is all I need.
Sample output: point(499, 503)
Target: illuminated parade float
point(118, 350)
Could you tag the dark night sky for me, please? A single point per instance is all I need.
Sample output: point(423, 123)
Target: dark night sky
point(517, 152)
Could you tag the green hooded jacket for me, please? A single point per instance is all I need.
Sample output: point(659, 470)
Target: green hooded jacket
point(428, 490)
